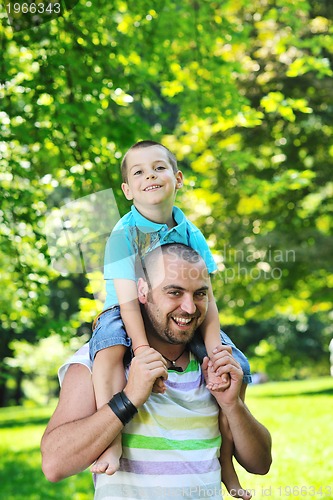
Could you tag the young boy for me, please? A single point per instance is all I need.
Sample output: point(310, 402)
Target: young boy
point(151, 179)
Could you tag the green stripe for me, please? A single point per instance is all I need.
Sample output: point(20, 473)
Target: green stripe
point(155, 443)
point(191, 367)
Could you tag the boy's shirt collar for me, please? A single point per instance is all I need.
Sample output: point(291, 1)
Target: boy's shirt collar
point(148, 226)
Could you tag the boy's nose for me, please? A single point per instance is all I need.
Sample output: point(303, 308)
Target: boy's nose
point(151, 175)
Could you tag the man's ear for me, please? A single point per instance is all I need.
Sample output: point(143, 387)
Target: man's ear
point(142, 291)
point(127, 191)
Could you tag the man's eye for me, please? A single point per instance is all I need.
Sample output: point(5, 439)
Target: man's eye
point(174, 293)
point(201, 294)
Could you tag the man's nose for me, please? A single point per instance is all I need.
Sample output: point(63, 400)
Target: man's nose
point(188, 305)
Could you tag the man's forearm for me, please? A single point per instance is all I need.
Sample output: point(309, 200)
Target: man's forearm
point(76, 434)
point(74, 446)
point(252, 440)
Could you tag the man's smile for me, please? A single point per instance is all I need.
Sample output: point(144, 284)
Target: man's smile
point(182, 322)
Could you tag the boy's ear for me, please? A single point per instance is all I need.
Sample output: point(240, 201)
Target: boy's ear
point(127, 191)
point(142, 291)
point(179, 179)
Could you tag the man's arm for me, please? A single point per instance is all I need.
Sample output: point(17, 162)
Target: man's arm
point(76, 434)
point(252, 440)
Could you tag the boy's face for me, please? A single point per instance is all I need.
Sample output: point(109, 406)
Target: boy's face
point(150, 177)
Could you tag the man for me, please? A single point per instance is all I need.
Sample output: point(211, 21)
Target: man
point(171, 446)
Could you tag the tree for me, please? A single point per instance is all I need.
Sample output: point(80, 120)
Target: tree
point(241, 92)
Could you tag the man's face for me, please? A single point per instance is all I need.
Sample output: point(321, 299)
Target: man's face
point(176, 304)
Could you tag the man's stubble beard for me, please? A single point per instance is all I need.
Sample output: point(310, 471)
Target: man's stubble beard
point(161, 329)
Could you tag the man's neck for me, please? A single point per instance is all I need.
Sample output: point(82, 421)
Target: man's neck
point(169, 351)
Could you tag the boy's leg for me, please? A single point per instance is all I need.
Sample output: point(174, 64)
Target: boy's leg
point(229, 475)
point(108, 379)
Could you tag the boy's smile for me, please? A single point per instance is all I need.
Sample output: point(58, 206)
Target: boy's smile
point(153, 187)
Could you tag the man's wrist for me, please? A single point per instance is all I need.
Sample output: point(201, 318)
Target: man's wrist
point(229, 408)
point(122, 407)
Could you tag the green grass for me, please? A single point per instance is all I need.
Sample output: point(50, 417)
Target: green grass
point(299, 416)
point(21, 477)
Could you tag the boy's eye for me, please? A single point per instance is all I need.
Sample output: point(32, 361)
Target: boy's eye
point(160, 167)
point(137, 172)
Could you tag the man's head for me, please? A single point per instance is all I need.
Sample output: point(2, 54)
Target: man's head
point(174, 292)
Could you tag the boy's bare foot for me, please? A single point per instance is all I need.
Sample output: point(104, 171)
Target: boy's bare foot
point(231, 481)
point(108, 462)
point(240, 493)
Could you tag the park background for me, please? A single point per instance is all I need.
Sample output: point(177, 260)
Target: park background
point(241, 91)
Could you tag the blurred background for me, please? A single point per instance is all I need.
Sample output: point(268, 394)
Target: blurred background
point(241, 91)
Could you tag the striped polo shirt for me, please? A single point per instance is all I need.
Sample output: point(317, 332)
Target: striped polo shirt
point(171, 447)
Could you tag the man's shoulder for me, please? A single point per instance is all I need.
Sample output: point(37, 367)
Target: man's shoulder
point(80, 357)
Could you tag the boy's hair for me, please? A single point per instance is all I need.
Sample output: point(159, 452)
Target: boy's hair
point(147, 144)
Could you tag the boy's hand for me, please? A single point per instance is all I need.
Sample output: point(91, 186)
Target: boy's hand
point(159, 386)
point(223, 363)
point(217, 381)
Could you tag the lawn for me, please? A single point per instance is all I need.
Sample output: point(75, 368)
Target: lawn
point(21, 477)
point(298, 414)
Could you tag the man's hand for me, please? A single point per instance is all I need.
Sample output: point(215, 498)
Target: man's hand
point(148, 366)
point(223, 363)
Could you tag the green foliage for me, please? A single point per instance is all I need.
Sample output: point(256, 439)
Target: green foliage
point(40, 363)
point(286, 347)
point(240, 91)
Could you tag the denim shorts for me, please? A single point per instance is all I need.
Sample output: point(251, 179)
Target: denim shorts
point(198, 348)
point(109, 331)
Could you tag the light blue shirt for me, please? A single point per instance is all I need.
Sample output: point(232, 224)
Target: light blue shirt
point(134, 234)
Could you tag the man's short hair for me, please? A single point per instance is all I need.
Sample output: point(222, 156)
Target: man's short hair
point(147, 144)
point(178, 250)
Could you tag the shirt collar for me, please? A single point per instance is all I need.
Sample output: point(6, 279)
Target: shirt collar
point(148, 226)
